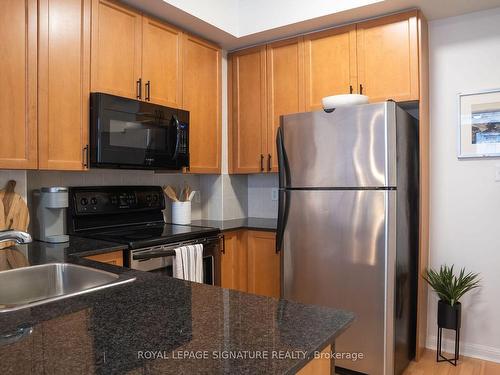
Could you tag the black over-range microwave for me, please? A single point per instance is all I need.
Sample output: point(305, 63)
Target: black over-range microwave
point(127, 133)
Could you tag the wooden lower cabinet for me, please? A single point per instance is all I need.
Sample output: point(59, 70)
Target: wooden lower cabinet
point(263, 264)
point(234, 261)
point(250, 262)
point(115, 258)
point(318, 366)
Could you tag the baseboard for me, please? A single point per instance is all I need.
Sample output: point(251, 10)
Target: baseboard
point(487, 353)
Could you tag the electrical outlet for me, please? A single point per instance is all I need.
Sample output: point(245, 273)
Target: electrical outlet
point(197, 196)
point(274, 194)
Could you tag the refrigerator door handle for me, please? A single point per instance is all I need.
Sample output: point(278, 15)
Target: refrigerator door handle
point(283, 209)
point(283, 166)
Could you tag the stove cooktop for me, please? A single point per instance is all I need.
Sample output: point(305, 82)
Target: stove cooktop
point(138, 236)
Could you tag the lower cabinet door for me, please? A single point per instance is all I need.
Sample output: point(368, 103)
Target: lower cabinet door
point(263, 264)
point(234, 261)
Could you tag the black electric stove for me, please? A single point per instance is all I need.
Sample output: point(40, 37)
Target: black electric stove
point(153, 234)
point(130, 215)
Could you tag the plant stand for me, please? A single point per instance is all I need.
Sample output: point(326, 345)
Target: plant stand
point(439, 356)
point(449, 317)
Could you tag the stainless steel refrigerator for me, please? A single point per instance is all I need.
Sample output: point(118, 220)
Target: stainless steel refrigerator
point(348, 226)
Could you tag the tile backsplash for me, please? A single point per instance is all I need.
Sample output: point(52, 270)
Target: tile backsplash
point(220, 196)
point(19, 177)
point(260, 203)
point(97, 177)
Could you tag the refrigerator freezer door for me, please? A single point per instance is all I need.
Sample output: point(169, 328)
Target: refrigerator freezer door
point(350, 147)
point(337, 246)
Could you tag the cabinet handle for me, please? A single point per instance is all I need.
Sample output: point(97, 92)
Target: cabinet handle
point(261, 162)
point(223, 247)
point(269, 162)
point(350, 89)
point(85, 156)
point(148, 91)
point(360, 89)
point(139, 88)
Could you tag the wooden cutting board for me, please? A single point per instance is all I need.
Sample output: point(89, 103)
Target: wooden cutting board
point(14, 212)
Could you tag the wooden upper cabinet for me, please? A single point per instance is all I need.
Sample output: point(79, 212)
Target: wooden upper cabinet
point(329, 64)
point(18, 79)
point(63, 83)
point(387, 53)
point(263, 264)
point(161, 63)
point(201, 96)
point(285, 89)
point(248, 112)
point(116, 49)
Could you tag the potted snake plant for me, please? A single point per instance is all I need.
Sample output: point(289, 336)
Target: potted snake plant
point(450, 288)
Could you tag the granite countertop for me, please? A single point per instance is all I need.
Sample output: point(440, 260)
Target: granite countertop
point(234, 224)
point(38, 252)
point(160, 325)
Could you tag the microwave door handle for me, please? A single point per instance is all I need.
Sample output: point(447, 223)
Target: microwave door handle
point(178, 136)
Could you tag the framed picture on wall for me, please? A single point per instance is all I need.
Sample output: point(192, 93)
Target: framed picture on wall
point(479, 124)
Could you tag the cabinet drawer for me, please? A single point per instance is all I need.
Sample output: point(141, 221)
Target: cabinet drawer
point(115, 258)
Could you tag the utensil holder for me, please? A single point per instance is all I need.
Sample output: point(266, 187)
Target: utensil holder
point(181, 212)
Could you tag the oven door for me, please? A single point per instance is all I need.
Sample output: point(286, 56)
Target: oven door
point(128, 133)
point(159, 259)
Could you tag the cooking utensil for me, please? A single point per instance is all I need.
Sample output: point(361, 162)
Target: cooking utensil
point(15, 212)
point(170, 192)
point(191, 195)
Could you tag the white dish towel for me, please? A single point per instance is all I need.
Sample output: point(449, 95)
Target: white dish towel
point(188, 263)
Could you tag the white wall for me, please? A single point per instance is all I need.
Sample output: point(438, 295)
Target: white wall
point(465, 199)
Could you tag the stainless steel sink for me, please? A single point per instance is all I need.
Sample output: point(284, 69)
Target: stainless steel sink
point(30, 286)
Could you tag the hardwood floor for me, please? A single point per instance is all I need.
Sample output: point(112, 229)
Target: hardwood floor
point(466, 366)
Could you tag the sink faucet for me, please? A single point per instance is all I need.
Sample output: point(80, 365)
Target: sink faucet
point(17, 236)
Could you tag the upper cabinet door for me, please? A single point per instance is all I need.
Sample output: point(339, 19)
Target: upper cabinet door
point(285, 89)
point(63, 83)
point(116, 49)
point(201, 96)
point(388, 57)
point(330, 64)
point(248, 112)
point(18, 79)
point(161, 63)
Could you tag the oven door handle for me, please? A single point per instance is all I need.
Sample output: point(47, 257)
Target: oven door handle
point(153, 254)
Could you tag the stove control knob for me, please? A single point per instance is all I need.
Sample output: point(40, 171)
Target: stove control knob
point(84, 201)
point(93, 201)
point(155, 198)
point(148, 198)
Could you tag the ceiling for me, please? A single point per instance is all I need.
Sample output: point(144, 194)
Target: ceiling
point(236, 24)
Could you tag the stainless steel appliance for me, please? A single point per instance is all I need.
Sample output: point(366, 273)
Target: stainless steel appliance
point(348, 226)
point(50, 219)
point(127, 133)
point(132, 215)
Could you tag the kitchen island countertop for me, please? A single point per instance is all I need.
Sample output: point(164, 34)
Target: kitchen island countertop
point(160, 325)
